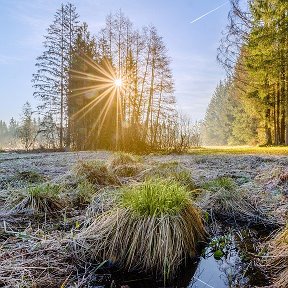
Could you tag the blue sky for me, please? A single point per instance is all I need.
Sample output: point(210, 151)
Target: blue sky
point(193, 47)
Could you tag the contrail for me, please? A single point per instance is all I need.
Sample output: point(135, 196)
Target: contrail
point(209, 12)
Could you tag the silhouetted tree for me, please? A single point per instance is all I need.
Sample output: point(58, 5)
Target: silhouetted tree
point(51, 78)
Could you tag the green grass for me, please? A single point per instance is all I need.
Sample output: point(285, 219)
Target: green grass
point(218, 183)
point(241, 150)
point(171, 170)
point(84, 192)
point(153, 229)
point(41, 198)
point(45, 190)
point(155, 197)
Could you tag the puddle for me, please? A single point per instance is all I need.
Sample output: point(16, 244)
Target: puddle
point(228, 261)
point(225, 262)
point(220, 266)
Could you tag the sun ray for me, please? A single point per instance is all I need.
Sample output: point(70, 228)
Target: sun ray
point(93, 103)
point(109, 73)
point(100, 84)
point(104, 110)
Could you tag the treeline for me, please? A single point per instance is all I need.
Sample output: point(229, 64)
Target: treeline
point(24, 133)
point(252, 104)
point(112, 90)
point(8, 132)
point(231, 121)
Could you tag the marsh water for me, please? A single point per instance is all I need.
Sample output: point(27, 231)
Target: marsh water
point(228, 260)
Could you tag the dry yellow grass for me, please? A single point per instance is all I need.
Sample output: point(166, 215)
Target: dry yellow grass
point(214, 150)
point(96, 172)
point(277, 260)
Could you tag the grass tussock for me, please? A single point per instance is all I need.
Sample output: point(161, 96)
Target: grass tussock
point(83, 194)
point(104, 200)
point(219, 183)
point(235, 205)
point(29, 176)
point(155, 198)
point(170, 170)
point(96, 172)
point(121, 158)
point(127, 170)
point(125, 164)
point(44, 198)
point(277, 260)
point(164, 228)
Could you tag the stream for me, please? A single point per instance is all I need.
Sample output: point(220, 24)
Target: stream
point(226, 261)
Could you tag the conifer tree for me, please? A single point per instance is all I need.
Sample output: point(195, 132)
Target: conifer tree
point(51, 78)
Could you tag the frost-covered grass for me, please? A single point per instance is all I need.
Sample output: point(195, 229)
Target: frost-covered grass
point(44, 198)
point(218, 183)
point(93, 191)
point(172, 170)
point(95, 172)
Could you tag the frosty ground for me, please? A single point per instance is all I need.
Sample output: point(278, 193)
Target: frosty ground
point(256, 194)
point(263, 169)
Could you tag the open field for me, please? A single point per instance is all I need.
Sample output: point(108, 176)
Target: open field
point(232, 191)
point(242, 150)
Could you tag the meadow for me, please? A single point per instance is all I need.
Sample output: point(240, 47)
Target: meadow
point(97, 218)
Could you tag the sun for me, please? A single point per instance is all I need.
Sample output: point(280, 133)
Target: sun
point(118, 82)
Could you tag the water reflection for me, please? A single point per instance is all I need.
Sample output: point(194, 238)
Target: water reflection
point(223, 264)
point(219, 273)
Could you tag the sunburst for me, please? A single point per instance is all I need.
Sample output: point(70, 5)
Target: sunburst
point(118, 82)
point(102, 84)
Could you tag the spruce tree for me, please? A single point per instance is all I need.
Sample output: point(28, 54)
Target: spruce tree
point(51, 78)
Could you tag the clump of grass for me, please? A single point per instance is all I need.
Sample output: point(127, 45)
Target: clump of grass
point(226, 183)
point(171, 170)
point(125, 164)
point(43, 198)
point(83, 193)
point(155, 197)
point(154, 227)
point(29, 176)
point(235, 205)
point(127, 170)
point(277, 261)
point(96, 172)
point(122, 158)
